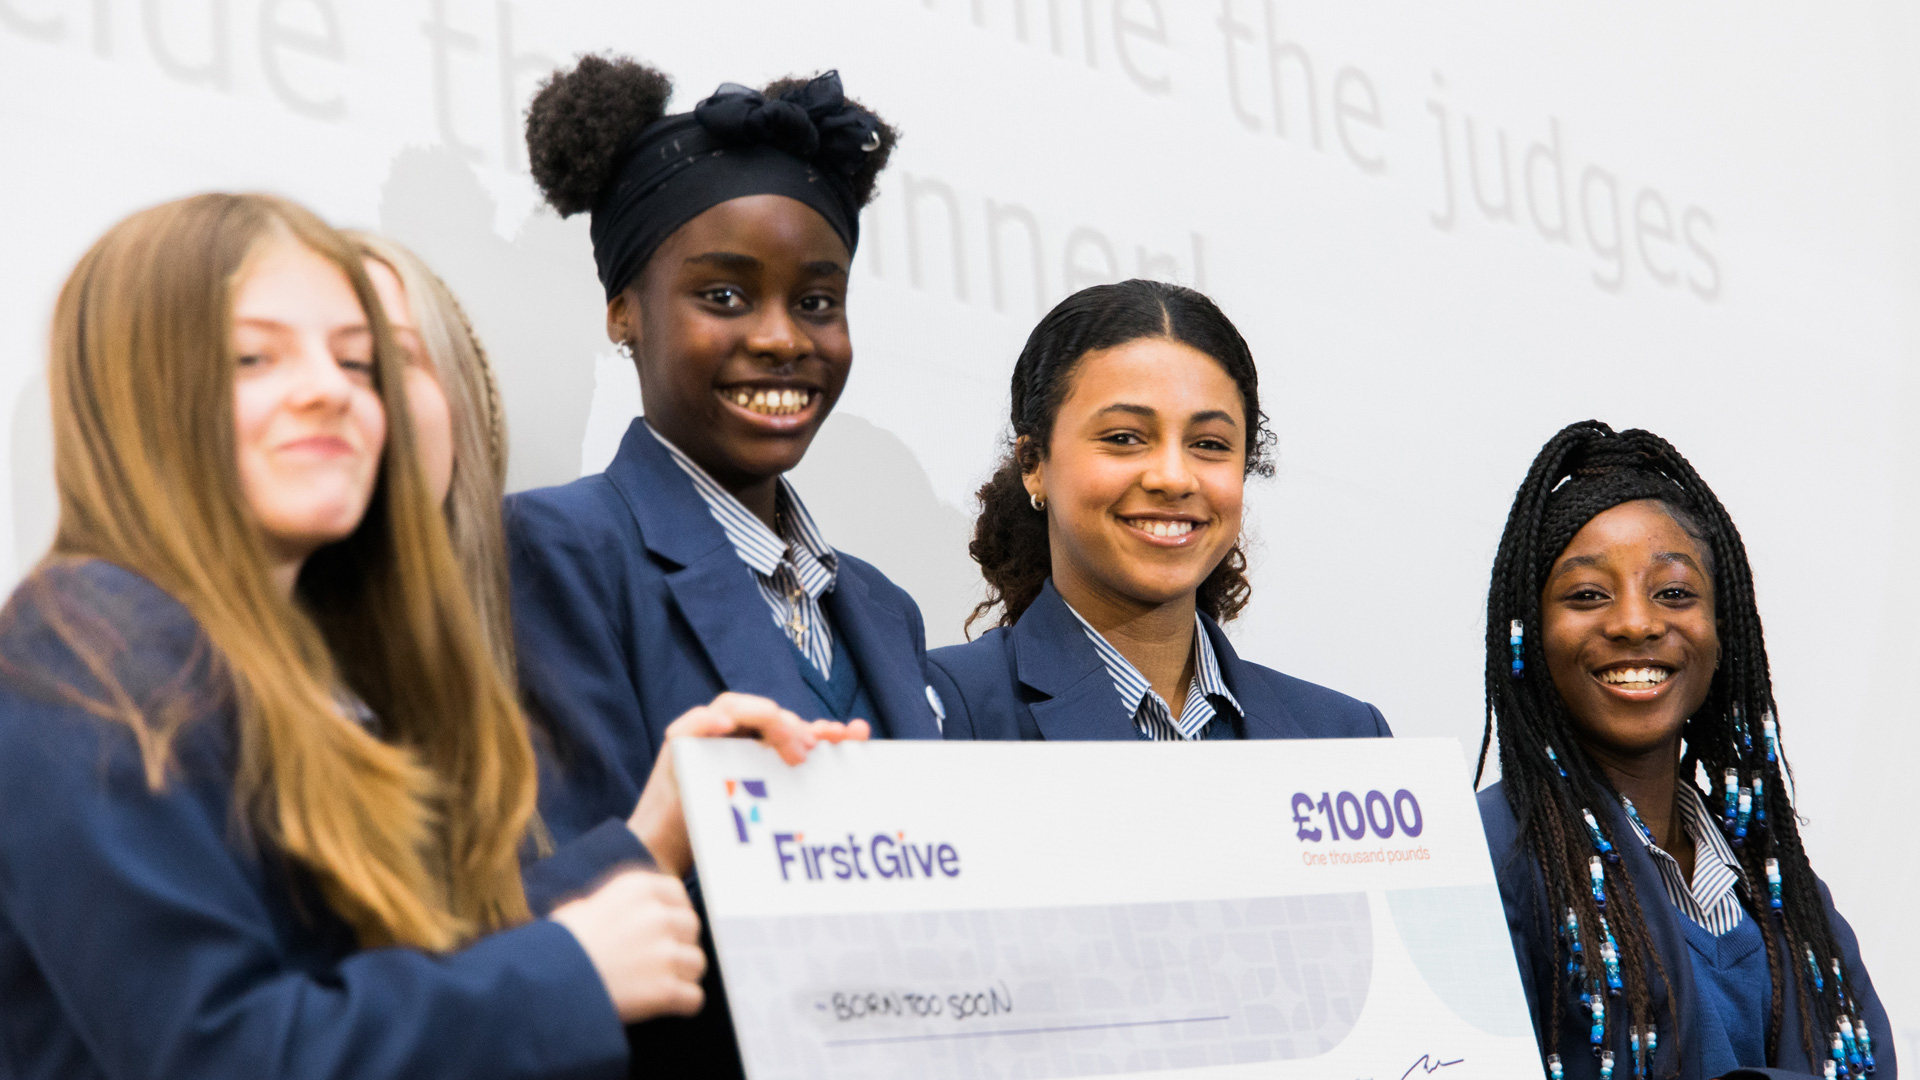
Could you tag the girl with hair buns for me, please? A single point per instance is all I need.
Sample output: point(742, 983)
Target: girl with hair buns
point(455, 407)
point(265, 791)
point(1110, 539)
point(1662, 929)
point(723, 237)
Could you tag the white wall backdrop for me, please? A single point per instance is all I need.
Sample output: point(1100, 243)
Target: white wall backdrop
point(1447, 229)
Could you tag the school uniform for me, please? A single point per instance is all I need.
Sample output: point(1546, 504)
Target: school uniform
point(144, 933)
point(1706, 940)
point(1052, 676)
point(647, 590)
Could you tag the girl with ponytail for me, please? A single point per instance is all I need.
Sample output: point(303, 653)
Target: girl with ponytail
point(1665, 917)
point(1110, 539)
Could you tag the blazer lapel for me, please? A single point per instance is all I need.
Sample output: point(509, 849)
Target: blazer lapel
point(882, 645)
point(1263, 716)
point(713, 589)
point(1051, 654)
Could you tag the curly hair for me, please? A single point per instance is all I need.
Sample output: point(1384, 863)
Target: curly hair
point(1009, 539)
point(580, 119)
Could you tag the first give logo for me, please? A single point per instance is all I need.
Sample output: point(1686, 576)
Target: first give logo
point(753, 793)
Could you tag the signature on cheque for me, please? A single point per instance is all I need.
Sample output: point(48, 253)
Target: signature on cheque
point(1428, 1063)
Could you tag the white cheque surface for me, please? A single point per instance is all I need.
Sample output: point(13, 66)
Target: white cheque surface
point(998, 910)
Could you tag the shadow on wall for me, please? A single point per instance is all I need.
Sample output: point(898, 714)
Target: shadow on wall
point(535, 302)
point(874, 500)
point(36, 502)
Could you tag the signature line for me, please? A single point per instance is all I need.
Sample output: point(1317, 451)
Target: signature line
point(1023, 1031)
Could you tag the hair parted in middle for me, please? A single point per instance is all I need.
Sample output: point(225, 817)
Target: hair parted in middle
point(1552, 783)
point(1009, 538)
point(413, 834)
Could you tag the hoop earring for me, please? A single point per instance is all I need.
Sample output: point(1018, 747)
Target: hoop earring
point(1036, 502)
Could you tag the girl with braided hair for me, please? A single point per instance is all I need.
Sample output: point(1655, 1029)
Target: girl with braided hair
point(1663, 912)
point(457, 417)
point(1110, 539)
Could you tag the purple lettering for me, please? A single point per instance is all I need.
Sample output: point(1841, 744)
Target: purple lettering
point(885, 863)
point(854, 846)
point(923, 855)
point(841, 869)
point(780, 842)
point(949, 861)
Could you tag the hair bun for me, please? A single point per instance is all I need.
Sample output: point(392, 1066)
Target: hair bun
point(813, 120)
point(853, 141)
point(580, 119)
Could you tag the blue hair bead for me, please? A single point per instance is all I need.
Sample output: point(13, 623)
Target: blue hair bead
point(1813, 965)
point(1746, 814)
point(1610, 958)
point(1771, 732)
point(1599, 1031)
point(1759, 801)
point(1839, 1055)
point(1555, 758)
point(1733, 799)
point(1773, 885)
point(1598, 873)
point(1852, 1045)
point(1554, 1071)
point(1606, 1065)
point(1600, 843)
point(1633, 815)
point(1576, 958)
point(1517, 638)
point(1866, 1042)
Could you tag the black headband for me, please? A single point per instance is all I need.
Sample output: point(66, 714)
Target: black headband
point(806, 144)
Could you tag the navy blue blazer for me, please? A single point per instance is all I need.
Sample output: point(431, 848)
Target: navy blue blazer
point(1703, 1049)
point(142, 935)
point(1042, 679)
point(630, 607)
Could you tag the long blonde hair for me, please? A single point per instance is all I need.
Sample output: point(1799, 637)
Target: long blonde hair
point(412, 836)
point(479, 435)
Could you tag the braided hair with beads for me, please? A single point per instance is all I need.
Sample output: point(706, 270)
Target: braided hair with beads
point(1591, 910)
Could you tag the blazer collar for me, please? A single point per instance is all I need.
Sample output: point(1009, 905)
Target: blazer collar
point(1051, 654)
point(715, 592)
point(674, 521)
point(881, 644)
point(718, 596)
point(1262, 713)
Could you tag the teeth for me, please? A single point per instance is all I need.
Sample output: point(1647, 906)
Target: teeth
point(770, 402)
point(1638, 677)
point(1155, 527)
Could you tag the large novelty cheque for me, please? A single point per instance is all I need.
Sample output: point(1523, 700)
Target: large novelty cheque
point(1277, 909)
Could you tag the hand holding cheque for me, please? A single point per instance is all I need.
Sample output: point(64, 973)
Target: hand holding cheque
point(940, 910)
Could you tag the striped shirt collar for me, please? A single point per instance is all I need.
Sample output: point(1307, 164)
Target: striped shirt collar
point(1711, 900)
point(1149, 710)
point(814, 562)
